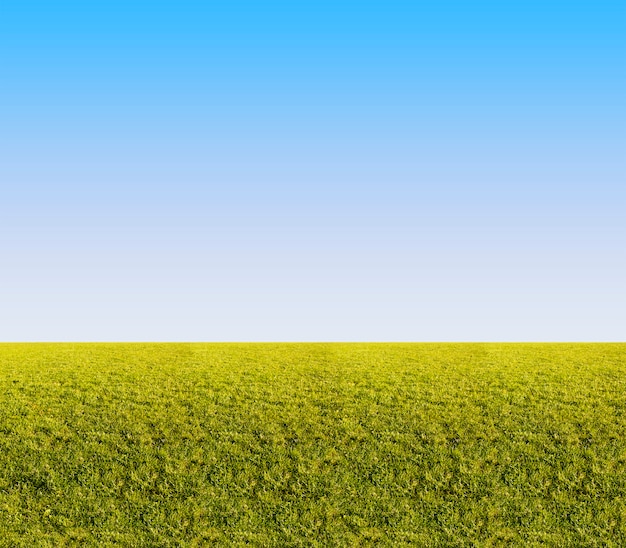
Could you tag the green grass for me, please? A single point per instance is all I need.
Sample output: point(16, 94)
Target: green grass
point(313, 444)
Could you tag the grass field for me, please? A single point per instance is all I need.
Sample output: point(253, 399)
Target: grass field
point(313, 444)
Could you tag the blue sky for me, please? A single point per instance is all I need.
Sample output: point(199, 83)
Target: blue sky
point(417, 171)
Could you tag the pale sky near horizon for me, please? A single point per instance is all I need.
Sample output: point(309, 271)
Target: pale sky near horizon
point(312, 171)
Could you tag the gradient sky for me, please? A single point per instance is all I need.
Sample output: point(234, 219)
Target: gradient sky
point(250, 171)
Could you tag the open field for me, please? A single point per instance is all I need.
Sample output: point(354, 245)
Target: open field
point(313, 444)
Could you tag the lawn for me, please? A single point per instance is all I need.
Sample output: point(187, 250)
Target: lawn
point(313, 444)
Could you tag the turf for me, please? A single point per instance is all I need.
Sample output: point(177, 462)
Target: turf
point(313, 444)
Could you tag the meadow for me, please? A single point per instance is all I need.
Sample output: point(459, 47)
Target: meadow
point(312, 444)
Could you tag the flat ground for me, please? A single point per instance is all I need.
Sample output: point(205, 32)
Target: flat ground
point(313, 444)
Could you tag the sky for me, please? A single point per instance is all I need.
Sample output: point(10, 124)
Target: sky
point(312, 171)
